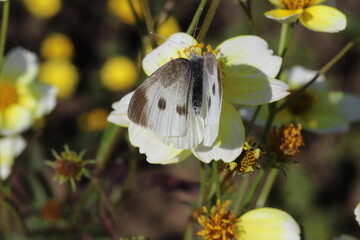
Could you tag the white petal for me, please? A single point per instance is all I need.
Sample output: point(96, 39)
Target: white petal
point(46, 97)
point(298, 76)
point(156, 151)
point(119, 115)
point(249, 51)
point(20, 65)
point(10, 148)
point(349, 105)
point(15, 119)
point(230, 140)
point(173, 48)
point(357, 213)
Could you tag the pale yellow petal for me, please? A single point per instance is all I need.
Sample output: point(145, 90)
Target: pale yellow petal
point(10, 148)
point(15, 119)
point(357, 213)
point(173, 48)
point(284, 15)
point(277, 3)
point(322, 18)
point(228, 145)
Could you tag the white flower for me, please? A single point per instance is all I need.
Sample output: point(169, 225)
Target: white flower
point(318, 110)
point(22, 98)
point(10, 148)
point(248, 67)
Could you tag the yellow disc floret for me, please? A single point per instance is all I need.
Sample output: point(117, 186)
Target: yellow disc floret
point(296, 4)
point(8, 95)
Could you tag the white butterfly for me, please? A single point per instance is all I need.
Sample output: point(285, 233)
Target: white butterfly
point(181, 102)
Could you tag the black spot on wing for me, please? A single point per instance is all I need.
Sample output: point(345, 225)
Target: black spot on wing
point(181, 110)
point(162, 104)
point(213, 89)
point(209, 103)
point(137, 108)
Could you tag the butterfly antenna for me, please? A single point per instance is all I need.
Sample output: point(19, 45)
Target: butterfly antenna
point(160, 36)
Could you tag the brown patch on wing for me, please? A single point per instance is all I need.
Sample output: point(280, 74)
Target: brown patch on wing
point(162, 104)
point(172, 71)
point(220, 83)
point(181, 110)
point(137, 108)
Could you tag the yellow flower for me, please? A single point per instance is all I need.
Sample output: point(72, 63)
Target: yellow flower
point(94, 120)
point(43, 8)
point(218, 223)
point(57, 46)
point(249, 68)
point(248, 160)
point(22, 98)
point(167, 28)
point(315, 17)
point(61, 74)
point(267, 223)
point(10, 148)
point(125, 11)
point(118, 73)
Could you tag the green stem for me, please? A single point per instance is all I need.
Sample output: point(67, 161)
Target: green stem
point(137, 18)
point(149, 22)
point(241, 193)
point(250, 195)
point(248, 11)
point(208, 19)
point(252, 121)
point(293, 97)
point(215, 179)
point(196, 18)
point(283, 39)
point(4, 25)
point(109, 207)
point(267, 187)
point(202, 183)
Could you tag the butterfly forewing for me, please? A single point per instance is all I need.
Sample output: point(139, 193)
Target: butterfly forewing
point(161, 103)
point(212, 98)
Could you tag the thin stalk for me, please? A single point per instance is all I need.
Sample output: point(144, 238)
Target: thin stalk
point(196, 18)
point(4, 25)
point(248, 11)
point(241, 193)
point(208, 19)
point(149, 22)
point(215, 180)
point(109, 207)
point(250, 195)
point(202, 183)
point(253, 119)
point(10, 209)
point(323, 70)
point(137, 18)
point(267, 187)
point(283, 39)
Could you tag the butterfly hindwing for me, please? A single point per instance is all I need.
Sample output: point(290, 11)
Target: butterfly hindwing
point(161, 103)
point(212, 98)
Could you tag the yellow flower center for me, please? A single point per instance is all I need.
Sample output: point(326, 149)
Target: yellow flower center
point(8, 95)
point(291, 139)
point(218, 223)
point(248, 160)
point(296, 4)
point(304, 103)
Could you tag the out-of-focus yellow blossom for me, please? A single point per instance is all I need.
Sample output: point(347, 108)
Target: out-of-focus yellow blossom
point(43, 8)
point(57, 45)
point(93, 120)
point(61, 74)
point(167, 28)
point(22, 98)
point(315, 17)
point(267, 223)
point(10, 148)
point(118, 73)
point(125, 11)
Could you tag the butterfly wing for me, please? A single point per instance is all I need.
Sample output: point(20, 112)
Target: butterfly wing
point(212, 98)
point(161, 103)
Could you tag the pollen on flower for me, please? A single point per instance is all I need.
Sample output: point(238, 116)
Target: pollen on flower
point(287, 139)
point(210, 49)
point(197, 48)
point(218, 223)
point(296, 4)
point(8, 95)
point(247, 161)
